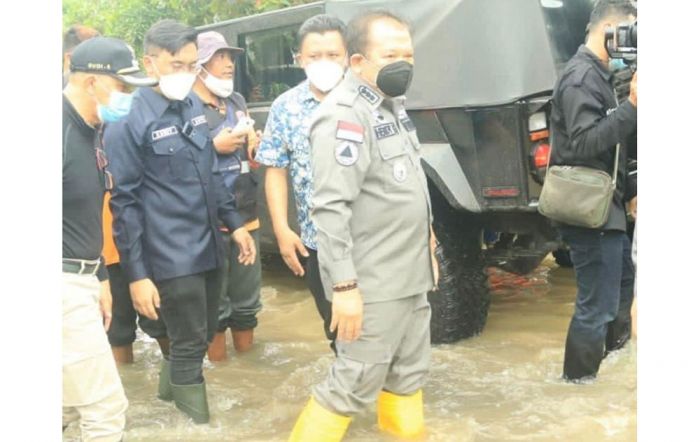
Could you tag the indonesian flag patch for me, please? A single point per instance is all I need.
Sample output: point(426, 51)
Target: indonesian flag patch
point(350, 132)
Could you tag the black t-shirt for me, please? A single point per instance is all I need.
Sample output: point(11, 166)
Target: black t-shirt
point(83, 190)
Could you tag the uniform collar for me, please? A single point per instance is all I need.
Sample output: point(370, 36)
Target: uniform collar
point(159, 103)
point(587, 54)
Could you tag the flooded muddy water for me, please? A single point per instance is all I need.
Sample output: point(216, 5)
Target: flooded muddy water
point(501, 386)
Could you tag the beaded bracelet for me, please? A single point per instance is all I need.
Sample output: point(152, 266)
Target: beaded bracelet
point(345, 288)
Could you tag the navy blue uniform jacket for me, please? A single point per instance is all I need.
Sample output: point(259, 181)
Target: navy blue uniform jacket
point(167, 193)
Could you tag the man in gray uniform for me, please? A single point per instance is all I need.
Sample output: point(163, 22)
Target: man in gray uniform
point(372, 211)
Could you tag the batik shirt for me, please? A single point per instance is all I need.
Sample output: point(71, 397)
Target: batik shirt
point(285, 143)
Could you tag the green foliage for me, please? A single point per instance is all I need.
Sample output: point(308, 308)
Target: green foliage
point(130, 19)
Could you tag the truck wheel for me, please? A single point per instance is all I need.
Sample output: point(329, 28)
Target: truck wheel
point(563, 258)
point(461, 302)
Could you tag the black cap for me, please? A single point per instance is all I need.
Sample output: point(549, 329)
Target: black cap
point(110, 56)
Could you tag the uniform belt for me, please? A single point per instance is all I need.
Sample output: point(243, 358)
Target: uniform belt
point(80, 266)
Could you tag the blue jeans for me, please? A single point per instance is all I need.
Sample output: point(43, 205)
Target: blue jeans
point(605, 283)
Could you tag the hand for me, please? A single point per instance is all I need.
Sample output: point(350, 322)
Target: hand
point(633, 314)
point(145, 297)
point(632, 207)
point(254, 138)
point(289, 244)
point(433, 259)
point(229, 140)
point(633, 90)
point(246, 246)
point(347, 314)
point(106, 303)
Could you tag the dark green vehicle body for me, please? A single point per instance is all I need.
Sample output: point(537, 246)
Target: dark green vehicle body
point(480, 101)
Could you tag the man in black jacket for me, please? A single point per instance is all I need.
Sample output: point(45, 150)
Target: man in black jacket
point(167, 200)
point(587, 125)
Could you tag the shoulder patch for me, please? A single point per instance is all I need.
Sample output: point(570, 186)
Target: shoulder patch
point(162, 133)
point(368, 94)
point(347, 153)
point(349, 131)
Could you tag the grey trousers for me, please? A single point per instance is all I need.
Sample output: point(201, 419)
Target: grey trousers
point(392, 354)
point(239, 302)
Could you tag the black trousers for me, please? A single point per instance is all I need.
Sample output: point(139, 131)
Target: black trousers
point(605, 282)
point(312, 276)
point(189, 306)
point(123, 329)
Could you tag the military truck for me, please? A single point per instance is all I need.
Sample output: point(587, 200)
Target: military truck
point(480, 99)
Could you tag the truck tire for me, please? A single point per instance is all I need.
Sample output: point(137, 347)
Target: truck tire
point(461, 302)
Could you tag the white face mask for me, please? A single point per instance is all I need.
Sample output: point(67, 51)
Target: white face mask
point(175, 86)
point(220, 87)
point(324, 74)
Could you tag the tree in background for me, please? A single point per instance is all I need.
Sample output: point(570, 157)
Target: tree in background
point(130, 19)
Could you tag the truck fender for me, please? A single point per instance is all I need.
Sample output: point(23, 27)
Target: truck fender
point(442, 168)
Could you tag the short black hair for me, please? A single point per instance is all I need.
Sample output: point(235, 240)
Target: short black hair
point(170, 35)
point(320, 24)
point(77, 34)
point(610, 8)
point(358, 29)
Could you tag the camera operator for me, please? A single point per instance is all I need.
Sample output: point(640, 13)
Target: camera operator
point(587, 125)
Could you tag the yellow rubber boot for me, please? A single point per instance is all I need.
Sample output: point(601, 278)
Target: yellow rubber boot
point(316, 424)
point(401, 416)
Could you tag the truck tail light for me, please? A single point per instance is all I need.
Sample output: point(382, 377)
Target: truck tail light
point(540, 154)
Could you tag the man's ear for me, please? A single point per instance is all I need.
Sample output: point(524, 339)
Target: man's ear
point(297, 59)
point(356, 63)
point(89, 84)
point(148, 66)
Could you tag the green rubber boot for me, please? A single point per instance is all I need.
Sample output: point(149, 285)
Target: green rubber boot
point(192, 400)
point(165, 393)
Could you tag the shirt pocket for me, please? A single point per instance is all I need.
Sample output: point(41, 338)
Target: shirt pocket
point(174, 155)
point(396, 164)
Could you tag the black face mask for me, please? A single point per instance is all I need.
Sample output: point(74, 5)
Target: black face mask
point(395, 78)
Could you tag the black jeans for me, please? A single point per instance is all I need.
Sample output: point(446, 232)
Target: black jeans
point(189, 306)
point(123, 329)
point(605, 283)
point(312, 276)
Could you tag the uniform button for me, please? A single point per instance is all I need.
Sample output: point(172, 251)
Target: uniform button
point(170, 149)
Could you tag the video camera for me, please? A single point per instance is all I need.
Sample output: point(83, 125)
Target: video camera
point(621, 42)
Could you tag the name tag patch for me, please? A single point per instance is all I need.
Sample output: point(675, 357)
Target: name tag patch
point(385, 130)
point(196, 121)
point(162, 133)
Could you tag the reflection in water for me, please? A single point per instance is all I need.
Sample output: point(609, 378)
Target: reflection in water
point(502, 386)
